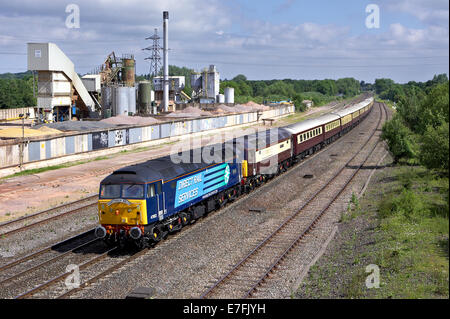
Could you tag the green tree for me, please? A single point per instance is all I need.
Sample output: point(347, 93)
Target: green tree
point(240, 78)
point(382, 85)
point(434, 108)
point(434, 149)
point(398, 137)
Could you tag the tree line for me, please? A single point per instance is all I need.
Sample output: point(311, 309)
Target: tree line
point(16, 90)
point(419, 129)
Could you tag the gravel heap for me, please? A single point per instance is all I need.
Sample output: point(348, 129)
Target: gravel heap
point(256, 106)
point(222, 108)
point(130, 120)
point(76, 125)
point(241, 108)
point(14, 132)
point(108, 123)
point(190, 111)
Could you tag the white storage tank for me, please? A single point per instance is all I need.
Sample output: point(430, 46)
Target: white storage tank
point(220, 98)
point(132, 100)
point(121, 100)
point(229, 95)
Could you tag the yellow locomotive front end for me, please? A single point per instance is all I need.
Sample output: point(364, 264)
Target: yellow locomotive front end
point(122, 212)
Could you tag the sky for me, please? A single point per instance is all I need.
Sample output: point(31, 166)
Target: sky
point(262, 39)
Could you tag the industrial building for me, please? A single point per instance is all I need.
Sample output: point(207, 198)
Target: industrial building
point(110, 89)
point(59, 86)
point(205, 85)
point(176, 85)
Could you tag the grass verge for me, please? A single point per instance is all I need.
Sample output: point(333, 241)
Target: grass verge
point(401, 226)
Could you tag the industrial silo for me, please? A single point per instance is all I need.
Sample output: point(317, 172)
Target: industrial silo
point(128, 71)
point(121, 100)
point(196, 81)
point(229, 95)
point(144, 97)
point(107, 93)
point(132, 100)
point(220, 98)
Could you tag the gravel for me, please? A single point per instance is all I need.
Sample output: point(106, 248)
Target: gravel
point(190, 261)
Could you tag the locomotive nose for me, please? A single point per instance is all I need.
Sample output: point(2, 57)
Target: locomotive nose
point(100, 232)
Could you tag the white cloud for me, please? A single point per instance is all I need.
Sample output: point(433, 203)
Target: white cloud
point(431, 12)
point(203, 32)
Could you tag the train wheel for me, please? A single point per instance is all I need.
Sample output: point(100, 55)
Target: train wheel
point(157, 234)
point(184, 219)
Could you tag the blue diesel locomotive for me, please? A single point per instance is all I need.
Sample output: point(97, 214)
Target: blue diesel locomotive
point(143, 203)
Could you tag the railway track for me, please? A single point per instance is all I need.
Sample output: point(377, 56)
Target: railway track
point(94, 269)
point(36, 219)
point(39, 218)
point(250, 273)
point(26, 270)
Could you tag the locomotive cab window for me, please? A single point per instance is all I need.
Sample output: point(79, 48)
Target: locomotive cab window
point(132, 191)
point(110, 191)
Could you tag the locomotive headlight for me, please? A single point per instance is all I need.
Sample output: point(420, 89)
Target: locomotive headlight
point(103, 206)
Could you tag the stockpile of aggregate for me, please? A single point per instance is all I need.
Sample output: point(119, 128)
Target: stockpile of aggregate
point(190, 111)
point(68, 126)
point(241, 108)
point(130, 120)
point(14, 132)
point(222, 108)
point(256, 106)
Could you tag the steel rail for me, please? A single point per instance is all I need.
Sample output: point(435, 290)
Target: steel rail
point(285, 222)
point(48, 261)
point(309, 228)
point(46, 220)
point(44, 250)
point(102, 274)
point(47, 211)
point(64, 275)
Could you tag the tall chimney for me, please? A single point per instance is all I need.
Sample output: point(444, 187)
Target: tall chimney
point(166, 61)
